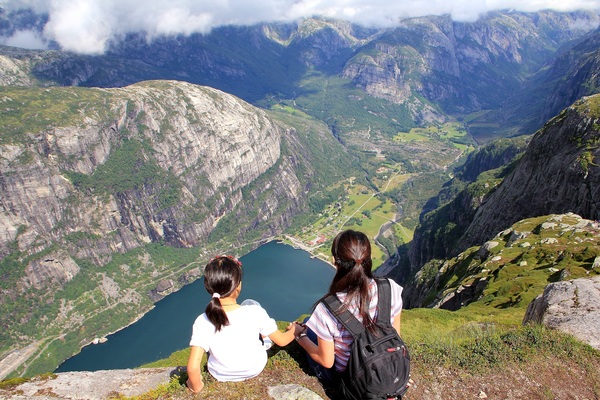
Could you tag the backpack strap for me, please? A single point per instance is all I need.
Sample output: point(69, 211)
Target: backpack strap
point(384, 301)
point(344, 316)
point(349, 321)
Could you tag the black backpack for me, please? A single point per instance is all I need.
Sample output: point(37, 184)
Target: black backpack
point(379, 363)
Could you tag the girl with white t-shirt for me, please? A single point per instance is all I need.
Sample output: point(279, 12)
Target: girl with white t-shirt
point(229, 332)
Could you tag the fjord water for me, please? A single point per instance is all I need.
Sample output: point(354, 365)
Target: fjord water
point(284, 280)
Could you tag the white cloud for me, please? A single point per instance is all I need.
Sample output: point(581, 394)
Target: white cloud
point(88, 25)
point(25, 40)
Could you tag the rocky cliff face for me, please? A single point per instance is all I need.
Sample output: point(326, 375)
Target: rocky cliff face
point(570, 75)
point(558, 173)
point(454, 65)
point(210, 144)
point(451, 212)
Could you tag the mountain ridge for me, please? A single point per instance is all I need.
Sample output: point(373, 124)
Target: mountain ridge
point(434, 67)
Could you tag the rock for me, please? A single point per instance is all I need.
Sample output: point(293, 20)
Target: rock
point(549, 241)
point(292, 392)
point(570, 306)
point(548, 225)
point(462, 296)
point(56, 269)
point(514, 236)
point(484, 251)
point(97, 385)
point(565, 274)
point(596, 264)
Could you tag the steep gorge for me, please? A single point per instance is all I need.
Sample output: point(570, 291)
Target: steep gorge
point(558, 173)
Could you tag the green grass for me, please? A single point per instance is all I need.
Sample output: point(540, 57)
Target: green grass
point(454, 132)
point(346, 108)
point(458, 343)
point(517, 271)
point(30, 111)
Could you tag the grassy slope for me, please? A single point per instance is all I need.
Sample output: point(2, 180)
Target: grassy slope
point(453, 357)
point(481, 348)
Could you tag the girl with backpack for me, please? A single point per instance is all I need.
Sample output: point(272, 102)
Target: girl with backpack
point(230, 332)
point(327, 341)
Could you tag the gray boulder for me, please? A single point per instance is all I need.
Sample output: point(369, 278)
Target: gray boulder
point(98, 385)
point(570, 306)
point(292, 392)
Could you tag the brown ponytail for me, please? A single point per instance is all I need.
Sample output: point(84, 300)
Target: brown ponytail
point(351, 252)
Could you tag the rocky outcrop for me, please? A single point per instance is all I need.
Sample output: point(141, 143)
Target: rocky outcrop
point(570, 306)
point(129, 383)
point(54, 269)
point(14, 72)
point(564, 246)
point(99, 385)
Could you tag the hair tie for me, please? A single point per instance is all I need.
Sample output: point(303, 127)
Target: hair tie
point(358, 261)
point(216, 295)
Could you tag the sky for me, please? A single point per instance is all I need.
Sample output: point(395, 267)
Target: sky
point(88, 26)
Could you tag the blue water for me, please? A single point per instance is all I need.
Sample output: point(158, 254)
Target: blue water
point(286, 282)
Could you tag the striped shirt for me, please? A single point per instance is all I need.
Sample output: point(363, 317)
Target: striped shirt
point(327, 327)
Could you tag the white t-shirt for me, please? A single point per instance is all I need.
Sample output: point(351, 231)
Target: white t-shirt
point(235, 352)
point(326, 326)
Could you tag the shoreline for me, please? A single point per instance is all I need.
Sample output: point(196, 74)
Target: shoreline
point(300, 246)
point(91, 342)
point(279, 240)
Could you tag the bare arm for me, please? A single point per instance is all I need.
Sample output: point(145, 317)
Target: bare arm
point(396, 323)
point(283, 338)
point(194, 382)
point(323, 352)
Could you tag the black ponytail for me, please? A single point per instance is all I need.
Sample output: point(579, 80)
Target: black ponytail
point(222, 275)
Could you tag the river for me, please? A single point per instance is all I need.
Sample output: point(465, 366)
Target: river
point(286, 281)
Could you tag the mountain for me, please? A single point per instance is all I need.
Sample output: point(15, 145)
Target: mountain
point(557, 173)
point(100, 187)
point(565, 77)
point(513, 267)
point(423, 71)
